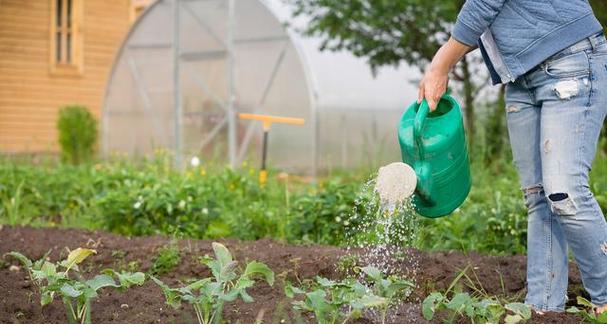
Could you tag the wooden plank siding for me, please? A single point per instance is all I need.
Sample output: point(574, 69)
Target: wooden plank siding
point(30, 94)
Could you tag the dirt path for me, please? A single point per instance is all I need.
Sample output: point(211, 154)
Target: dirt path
point(145, 304)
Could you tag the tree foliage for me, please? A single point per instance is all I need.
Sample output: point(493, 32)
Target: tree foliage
point(383, 31)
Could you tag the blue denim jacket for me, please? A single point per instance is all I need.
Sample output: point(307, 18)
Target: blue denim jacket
point(516, 35)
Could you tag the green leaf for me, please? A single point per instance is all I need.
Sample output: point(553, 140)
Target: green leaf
point(46, 297)
point(231, 295)
point(255, 268)
point(228, 272)
point(101, 281)
point(496, 310)
point(584, 302)
point(172, 297)
point(459, 302)
point(373, 272)
point(513, 319)
point(245, 296)
point(70, 291)
point(317, 300)
point(21, 258)
point(197, 285)
point(520, 309)
point(48, 270)
point(324, 282)
point(369, 301)
point(291, 290)
point(222, 254)
point(127, 279)
point(430, 305)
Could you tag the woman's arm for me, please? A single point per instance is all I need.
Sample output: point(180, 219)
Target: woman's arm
point(434, 82)
point(474, 18)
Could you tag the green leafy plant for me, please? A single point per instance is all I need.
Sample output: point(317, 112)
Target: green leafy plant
point(209, 295)
point(166, 260)
point(486, 310)
point(77, 134)
point(588, 311)
point(55, 279)
point(339, 302)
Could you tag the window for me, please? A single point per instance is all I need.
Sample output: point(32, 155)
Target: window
point(65, 40)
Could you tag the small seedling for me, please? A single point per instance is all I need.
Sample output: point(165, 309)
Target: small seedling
point(167, 259)
point(332, 301)
point(53, 279)
point(209, 295)
point(486, 310)
point(588, 311)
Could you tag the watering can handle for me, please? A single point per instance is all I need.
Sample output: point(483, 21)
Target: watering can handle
point(422, 168)
point(418, 127)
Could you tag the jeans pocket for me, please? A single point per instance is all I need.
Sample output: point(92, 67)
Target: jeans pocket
point(571, 65)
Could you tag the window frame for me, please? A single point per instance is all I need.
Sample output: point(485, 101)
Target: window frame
point(75, 66)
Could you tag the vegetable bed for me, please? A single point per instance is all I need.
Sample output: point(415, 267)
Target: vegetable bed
point(20, 301)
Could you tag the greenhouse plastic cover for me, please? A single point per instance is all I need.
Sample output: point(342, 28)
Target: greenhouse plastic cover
point(351, 116)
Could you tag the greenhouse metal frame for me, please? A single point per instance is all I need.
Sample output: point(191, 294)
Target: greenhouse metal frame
point(229, 56)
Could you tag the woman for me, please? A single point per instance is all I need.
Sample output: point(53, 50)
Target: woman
point(552, 56)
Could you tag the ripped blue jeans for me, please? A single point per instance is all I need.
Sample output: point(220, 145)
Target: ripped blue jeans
point(555, 113)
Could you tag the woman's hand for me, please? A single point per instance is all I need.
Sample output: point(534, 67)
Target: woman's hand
point(434, 83)
point(432, 87)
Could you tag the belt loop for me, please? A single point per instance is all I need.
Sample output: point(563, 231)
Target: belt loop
point(594, 42)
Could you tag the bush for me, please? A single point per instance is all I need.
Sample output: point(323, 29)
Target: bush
point(149, 198)
point(77, 134)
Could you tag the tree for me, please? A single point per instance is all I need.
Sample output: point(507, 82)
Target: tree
point(389, 32)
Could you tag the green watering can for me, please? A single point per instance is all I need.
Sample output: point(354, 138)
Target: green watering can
point(434, 144)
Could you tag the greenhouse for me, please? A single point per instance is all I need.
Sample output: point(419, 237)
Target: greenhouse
point(189, 67)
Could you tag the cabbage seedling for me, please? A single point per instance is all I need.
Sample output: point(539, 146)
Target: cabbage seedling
point(208, 295)
point(53, 279)
point(488, 310)
point(333, 302)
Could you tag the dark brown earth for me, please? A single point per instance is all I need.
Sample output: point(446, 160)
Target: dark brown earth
point(19, 301)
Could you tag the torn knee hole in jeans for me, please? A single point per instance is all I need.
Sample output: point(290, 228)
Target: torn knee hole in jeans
point(562, 204)
point(604, 248)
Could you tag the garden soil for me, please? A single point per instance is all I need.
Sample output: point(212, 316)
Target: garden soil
point(19, 301)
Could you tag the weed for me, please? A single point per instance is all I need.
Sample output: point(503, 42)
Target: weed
point(166, 260)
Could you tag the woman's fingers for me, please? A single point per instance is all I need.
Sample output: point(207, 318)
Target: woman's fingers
point(420, 93)
point(431, 88)
point(432, 97)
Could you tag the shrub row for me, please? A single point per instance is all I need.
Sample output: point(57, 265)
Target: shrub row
point(146, 198)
